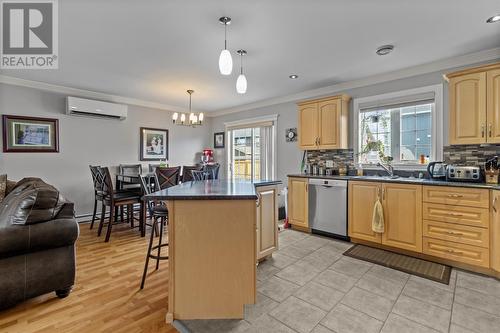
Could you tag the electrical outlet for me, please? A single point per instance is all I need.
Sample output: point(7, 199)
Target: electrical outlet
point(329, 164)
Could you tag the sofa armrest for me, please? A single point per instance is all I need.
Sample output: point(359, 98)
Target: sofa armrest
point(67, 211)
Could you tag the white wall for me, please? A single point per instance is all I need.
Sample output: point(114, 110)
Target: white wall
point(289, 156)
point(85, 141)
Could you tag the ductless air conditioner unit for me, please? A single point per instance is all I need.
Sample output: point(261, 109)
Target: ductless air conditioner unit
point(89, 108)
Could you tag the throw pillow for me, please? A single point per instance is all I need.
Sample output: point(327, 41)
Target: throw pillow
point(3, 186)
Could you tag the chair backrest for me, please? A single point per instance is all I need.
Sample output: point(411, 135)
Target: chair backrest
point(147, 188)
point(130, 169)
point(187, 175)
point(199, 175)
point(167, 177)
point(94, 171)
point(212, 171)
point(107, 183)
point(152, 167)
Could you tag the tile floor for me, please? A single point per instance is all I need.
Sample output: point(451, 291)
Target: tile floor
point(309, 286)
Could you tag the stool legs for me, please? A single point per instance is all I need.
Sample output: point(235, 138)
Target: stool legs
point(110, 224)
point(148, 253)
point(94, 214)
point(101, 223)
point(159, 247)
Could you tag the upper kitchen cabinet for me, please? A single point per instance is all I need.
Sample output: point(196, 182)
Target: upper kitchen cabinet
point(323, 123)
point(475, 105)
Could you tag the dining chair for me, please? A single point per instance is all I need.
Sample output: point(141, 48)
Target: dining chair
point(115, 199)
point(212, 170)
point(199, 175)
point(187, 176)
point(131, 169)
point(152, 167)
point(167, 177)
point(97, 183)
point(159, 216)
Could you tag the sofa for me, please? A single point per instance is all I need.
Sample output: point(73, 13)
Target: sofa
point(38, 232)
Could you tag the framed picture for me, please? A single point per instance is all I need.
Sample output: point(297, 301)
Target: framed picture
point(154, 144)
point(30, 134)
point(219, 139)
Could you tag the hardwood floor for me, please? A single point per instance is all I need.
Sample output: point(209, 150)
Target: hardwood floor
point(106, 296)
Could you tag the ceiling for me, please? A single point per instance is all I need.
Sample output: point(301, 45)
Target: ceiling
point(157, 49)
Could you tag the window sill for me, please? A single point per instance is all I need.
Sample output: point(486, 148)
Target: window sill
point(406, 167)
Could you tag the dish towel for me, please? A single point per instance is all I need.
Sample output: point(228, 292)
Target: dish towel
point(378, 217)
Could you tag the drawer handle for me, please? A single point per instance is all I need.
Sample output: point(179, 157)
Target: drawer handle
point(455, 195)
point(454, 233)
point(454, 252)
point(455, 214)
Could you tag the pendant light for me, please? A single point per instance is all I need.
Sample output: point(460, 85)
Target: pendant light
point(193, 120)
point(225, 59)
point(241, 82)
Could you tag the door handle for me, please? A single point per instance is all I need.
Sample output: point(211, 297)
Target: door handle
point(489, 130)
point(383, 193)
point(493, 205)
point(482, 130)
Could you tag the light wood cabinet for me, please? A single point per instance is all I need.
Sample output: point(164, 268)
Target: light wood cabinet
point(298, 202)
point(449, 195)
point(323, 123)
point(495, 231)
point(362, 198)
point(267, 220)
point(403, 216)
point(474, 104)
point(493, 105)
point(472, 255)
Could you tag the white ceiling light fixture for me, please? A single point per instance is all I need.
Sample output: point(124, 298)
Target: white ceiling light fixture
point(225, 59)
point(193, 120)
point(384, 50)
point(493, 19)
point(293, 76)
point(241, 82)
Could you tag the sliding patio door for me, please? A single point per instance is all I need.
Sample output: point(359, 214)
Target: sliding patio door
point(251, 153)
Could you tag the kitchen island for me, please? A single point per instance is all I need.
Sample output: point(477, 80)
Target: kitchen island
point(213, 246)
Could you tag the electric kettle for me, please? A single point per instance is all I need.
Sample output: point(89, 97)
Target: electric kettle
point(436, 170)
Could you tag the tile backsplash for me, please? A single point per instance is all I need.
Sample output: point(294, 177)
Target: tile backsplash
point(338, 156)
point(470, 154)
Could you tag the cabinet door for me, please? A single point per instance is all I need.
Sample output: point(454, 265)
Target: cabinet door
point(362, 197)
point(267, 220)
point(403, 216)
point(468, 109)
point(330, 113)
point(308, 126)
point(298, 202)
point(495, 231)
point(493, 105)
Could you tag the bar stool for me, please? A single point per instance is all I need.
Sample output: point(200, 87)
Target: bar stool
point(159, 216)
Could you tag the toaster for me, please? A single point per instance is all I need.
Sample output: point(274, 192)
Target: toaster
point(460, 173)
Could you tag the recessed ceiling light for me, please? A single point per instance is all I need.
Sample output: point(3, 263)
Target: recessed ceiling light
point(493, 19)
point(384, 49)
point(294, 76)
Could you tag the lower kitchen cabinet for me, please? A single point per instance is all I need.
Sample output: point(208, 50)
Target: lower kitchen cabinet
point(495, 231)
point(403, 216)
point(362, 197)
point(267, 220)
point(402, 206)
point(298, 202)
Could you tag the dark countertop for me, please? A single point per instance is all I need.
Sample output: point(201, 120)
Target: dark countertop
point(212, 190)
point(405, 180)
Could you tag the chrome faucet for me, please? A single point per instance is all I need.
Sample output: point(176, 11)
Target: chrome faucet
point(387, 167)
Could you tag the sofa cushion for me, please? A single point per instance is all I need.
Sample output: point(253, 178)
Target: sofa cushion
point(32, 201)
point(3, 186)
point(10, 186)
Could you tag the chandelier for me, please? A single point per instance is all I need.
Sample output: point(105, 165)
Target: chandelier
point(193, 121)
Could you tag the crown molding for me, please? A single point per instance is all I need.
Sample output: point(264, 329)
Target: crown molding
point(439, 65)
point(15, 81)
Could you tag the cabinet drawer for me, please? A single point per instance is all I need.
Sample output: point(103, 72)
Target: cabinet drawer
point(476, 217)
point(457, 233)
point(460, 196)
point(467, 254)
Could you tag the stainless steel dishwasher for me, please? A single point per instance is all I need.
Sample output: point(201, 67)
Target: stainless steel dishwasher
point(328, 207)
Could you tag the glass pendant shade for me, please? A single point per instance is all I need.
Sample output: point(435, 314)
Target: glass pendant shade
point(241, 84)
point(175, 117)
point(183, 118)
point(225, 62)
point(201, 117)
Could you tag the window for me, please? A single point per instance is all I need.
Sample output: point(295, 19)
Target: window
point(252, 148)
point(401, 125)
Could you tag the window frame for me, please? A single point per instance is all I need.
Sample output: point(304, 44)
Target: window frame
point(436, 121)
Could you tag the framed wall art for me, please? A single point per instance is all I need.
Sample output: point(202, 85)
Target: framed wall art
point(30, 134)
point(154, 144)
point(219, 139)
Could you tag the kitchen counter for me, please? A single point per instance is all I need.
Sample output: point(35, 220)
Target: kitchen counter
point(405, 180)
point(212, 190)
